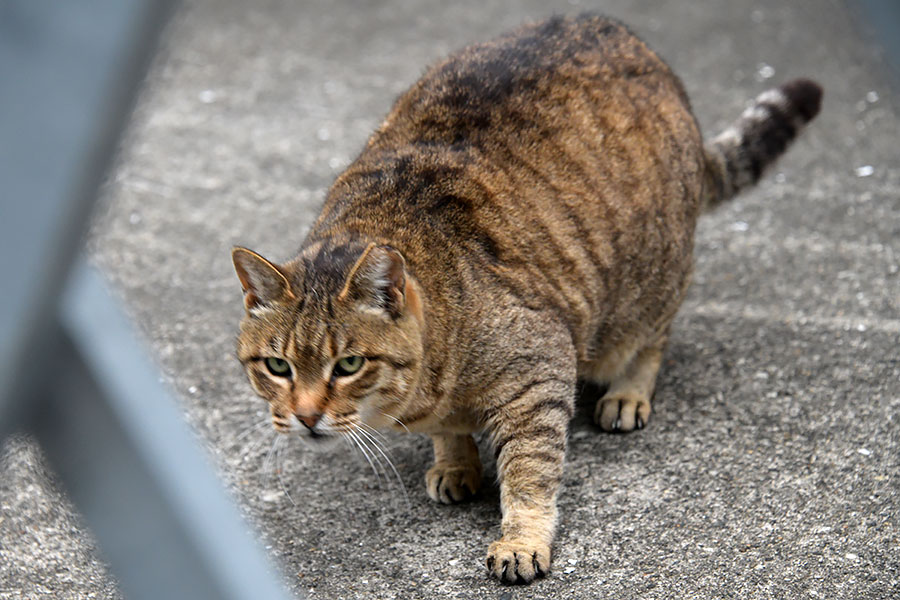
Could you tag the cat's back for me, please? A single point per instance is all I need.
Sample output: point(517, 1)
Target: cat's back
point(533, 77)
point(573, 119)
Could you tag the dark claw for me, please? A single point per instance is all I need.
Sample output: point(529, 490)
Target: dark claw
point(640, 423)
point(503, 570)
point(490, 563)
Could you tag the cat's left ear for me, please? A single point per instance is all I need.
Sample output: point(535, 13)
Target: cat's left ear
point(262, 281)
point(378, 280)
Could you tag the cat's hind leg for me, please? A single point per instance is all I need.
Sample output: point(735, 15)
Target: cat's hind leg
point(456, 474)
point(626, 404)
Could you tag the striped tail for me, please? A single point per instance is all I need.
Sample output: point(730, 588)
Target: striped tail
point(737, 157)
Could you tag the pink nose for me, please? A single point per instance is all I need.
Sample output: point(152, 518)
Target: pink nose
point(311, 420)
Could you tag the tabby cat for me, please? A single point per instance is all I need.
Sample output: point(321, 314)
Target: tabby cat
point(524, 217)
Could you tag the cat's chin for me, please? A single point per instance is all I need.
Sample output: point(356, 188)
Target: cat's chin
point(319, 443)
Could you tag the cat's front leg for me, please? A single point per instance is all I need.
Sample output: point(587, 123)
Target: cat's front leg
point(456, 474)
point(529, 431)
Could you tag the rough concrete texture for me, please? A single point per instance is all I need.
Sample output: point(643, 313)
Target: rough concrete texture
point(771, 466)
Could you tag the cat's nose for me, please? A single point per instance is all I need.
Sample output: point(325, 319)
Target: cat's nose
point(309, 420)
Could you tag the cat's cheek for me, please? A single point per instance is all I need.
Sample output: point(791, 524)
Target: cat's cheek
point(370, 412)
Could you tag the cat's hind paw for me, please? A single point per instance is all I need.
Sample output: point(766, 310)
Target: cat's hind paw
point(518, 561)
point(449, 483)
point(622, 413)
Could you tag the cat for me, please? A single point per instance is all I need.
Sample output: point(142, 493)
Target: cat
point(524, 217)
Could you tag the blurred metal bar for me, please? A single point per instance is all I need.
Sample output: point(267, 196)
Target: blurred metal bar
point(883, 17)
point(129, 462)
point(70, 370)
point(68, 75)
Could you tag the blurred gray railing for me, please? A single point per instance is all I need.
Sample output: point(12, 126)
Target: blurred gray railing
point(71, 372)
point(882, 18)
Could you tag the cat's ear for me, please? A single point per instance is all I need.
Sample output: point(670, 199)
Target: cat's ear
point(378, 280)
point(262, 281)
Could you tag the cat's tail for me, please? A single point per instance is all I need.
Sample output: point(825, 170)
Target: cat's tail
point(737, 157)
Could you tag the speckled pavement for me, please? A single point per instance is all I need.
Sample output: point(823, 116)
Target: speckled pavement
point(771, 466)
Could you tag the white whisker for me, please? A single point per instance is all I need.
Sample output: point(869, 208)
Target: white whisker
point(390, 463)
point(399, 422)
point(365, 453)
point(250, 430)
point(364, 443)
point(252, 448)
point(278, 471)
point(268, 462)
point(381, 437)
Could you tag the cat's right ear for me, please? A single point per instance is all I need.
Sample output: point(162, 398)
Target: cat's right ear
point(378, 281)
point(263, 282)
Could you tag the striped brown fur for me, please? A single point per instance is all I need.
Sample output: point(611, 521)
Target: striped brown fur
point(523, 217)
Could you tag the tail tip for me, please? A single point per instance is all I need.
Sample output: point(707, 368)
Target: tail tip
point(805, 95)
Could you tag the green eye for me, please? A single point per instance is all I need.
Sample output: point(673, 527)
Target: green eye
point(278, 366)
point(348, 365)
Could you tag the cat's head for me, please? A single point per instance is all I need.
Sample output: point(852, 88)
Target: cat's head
point(332, 339)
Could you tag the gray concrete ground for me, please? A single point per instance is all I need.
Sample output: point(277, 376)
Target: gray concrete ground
point(771, 466)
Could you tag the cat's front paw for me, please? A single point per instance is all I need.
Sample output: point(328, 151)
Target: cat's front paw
point(622, 413)
point(518, 560)
point(449, 483)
